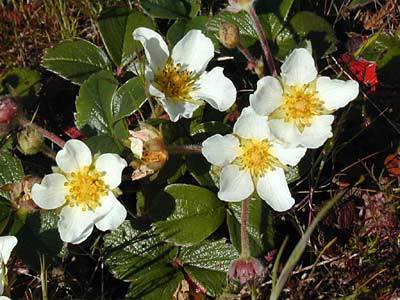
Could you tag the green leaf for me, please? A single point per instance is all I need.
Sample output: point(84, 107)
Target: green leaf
point(210, 128)
point(103, 144)
point(207, 264)
point(292, 174)
point(94, 103)
point(38, 236)
point(116, 27)
point(181, 27)
point(129, 250)
point(10, 168)
point(142, 258)
point(280, 8)
point(76, 60)
point(128, 98)
point(159, 282)
point(21, 82)
point(248, 35)
point(170, 9)
point(310, 26)
point(188, 214)
point(5, 213)
point(259, 226)
point(199, 168)
point(384, 49)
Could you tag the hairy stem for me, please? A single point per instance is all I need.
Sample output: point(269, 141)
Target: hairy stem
point(244, 239)
point(184, 149)
point(264, 43)
point(45, 133)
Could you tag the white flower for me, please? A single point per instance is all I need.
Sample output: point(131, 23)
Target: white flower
point(251, 159)
point(178, 79)
point(300, 104)
point(239, 5)
point(83, 190)
point(7, 243)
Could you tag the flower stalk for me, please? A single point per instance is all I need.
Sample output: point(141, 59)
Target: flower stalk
point(184, 149)
point(245, 252)
point(263, 39)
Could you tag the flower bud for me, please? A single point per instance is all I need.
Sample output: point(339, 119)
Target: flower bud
point(30, 141)
point(239, 5)
point(229, 35)
point(8, 110)
point(21, 195)
point(246, 270)
point(147, 146)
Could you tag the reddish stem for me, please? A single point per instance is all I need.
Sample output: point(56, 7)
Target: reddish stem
point(244, 239)
point(46, 134)
point(263, 39)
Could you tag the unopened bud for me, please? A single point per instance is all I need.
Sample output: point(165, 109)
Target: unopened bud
point(30, 141)
point(229, 35)
point(249, 270)
point(147, 146)
point(8, 110)
point(259, 68)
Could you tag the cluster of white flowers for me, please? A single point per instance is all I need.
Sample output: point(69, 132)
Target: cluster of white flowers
point(287, 115)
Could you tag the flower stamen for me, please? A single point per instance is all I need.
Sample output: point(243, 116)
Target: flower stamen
point(300, 105)
point(256, 157)
point(175, 82)
point(85, 188)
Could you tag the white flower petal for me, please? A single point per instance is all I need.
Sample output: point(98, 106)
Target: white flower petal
point(114, 218)
point(194, 51)
point(177, 110)
point(299, 68)
point(220, 150)
point(75, 225)
point(216, 89)
point(3, 297)
point(267, 97)
point(136, 147)
point(155, 48)
point(235, 185)
point(50, 193)
point(112, 165)
point(106, 205)
point(316, 135)
point(74, 156)
point(273, 188)
point(336, 93)
point(252, 125)
point(155, 92)
point(285, 131)
point(7, 244)
point(288, 156)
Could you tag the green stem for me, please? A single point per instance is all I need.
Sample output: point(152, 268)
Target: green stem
point(244, 239)
point(263, 39)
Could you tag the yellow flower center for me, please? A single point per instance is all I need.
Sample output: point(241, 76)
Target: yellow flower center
point(300, 105)
point(256, 157)
point(85, 188)
point(175, 82)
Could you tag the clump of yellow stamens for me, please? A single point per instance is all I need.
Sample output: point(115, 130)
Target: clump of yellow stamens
point(300, 105)
point(85, 188)
point(175, 82)
point(256, 157)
